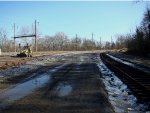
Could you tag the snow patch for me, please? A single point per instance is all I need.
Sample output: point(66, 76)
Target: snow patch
point(119, 60)
point(120, 96)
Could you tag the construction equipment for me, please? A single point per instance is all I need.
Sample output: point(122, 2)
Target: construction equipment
point(25, 52)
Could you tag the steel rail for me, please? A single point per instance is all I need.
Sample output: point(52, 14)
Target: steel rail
point(126, 73)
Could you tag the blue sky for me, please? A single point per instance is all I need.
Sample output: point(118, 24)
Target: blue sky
point(104, 19)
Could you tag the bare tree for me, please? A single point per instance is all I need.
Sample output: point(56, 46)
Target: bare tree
point(3, 39)
point(24, 31)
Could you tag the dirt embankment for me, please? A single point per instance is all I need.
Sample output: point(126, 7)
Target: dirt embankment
point(75, 89)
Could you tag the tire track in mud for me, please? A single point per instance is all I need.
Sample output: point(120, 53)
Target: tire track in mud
point(85, 93)
point(27, 86)
point(62, 75)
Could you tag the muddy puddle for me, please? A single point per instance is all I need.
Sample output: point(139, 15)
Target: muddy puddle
point(23, 89)
point(63, 89)
point(120, 96)
point(18, 91)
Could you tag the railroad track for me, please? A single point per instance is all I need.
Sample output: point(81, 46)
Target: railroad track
point(137, 80)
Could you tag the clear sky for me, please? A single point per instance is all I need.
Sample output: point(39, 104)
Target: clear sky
point(104, 19)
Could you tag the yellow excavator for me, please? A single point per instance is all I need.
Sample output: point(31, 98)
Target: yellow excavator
point(25, 52)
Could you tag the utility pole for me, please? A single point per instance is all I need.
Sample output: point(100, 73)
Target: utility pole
point(92, 42)
point(100, 43)
point(35, 38)
point(14, 38)
point(76, 41)
point(111, 42)
point(92, 37)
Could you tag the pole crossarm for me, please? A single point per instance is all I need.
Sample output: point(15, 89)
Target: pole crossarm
point(23, 36)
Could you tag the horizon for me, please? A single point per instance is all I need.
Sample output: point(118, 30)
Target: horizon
point(103, 19)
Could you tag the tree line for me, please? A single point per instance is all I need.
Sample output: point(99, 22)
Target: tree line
point(59, 42)
point(138, 42)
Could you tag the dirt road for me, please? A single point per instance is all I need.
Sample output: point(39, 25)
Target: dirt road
point(76, 87)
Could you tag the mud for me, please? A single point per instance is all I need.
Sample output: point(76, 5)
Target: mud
point(20, 90)
point(15, 74)
point(76, 88)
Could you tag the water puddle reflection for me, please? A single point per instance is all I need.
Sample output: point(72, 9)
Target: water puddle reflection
point(20, 90)
point(63, 90)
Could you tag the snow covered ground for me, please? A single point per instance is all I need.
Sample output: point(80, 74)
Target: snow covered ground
point(119, 60)
point(120, 96)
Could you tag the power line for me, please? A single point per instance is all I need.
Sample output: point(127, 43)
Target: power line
point(22, 36)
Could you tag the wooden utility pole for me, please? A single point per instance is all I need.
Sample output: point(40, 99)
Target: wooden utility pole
point(14, 38)
point(35, 38)
point(76, 42)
